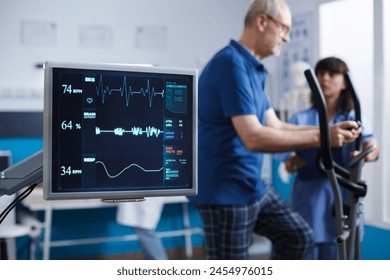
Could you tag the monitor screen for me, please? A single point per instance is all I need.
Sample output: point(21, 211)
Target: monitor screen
point(115, 131)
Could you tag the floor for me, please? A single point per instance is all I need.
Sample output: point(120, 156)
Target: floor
point(174, 254)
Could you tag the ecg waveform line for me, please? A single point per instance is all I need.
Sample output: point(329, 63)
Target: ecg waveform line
point(127, 167)
point(127, 91)
point(135, 131)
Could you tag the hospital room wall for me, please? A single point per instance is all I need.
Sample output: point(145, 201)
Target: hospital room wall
point(170, 33)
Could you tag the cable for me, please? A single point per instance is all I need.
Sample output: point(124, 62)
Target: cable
point(19, 198)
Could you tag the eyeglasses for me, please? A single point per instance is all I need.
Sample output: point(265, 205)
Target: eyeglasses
point(284, 30)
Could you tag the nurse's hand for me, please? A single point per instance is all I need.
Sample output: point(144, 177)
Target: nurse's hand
point(373, 156)
point(294, 162)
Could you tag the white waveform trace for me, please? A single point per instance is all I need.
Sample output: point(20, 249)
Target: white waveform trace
point(127, 91)
point(127, 167)
point(136, 131)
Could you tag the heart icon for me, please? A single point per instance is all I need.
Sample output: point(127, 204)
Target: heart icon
point(89, 100)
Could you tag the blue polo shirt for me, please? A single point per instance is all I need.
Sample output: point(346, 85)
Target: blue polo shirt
point(232, 83)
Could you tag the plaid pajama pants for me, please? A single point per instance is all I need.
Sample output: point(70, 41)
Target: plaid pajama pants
point(229, 228)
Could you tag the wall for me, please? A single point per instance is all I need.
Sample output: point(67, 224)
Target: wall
point(190, 33)
point(382, 15)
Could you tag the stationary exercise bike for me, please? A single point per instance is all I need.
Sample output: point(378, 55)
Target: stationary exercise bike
point(347, 215)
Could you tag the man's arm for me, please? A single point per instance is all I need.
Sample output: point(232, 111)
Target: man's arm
point(278, 136)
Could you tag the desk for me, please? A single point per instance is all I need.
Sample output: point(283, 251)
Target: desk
point(35, 203)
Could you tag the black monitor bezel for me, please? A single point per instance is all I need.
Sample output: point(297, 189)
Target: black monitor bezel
point(111, 195)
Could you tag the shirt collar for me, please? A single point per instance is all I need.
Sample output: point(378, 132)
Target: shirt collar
point(244, 52)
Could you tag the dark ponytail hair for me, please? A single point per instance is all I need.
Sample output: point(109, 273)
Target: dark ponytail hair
point(335, 65)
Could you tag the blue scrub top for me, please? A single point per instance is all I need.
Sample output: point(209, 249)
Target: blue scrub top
point(232, 83)
point(311, 194)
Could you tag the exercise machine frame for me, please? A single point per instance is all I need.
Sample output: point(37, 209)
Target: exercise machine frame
point(347, 218)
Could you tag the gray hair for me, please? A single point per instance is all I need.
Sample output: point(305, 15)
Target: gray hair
point(269, 7)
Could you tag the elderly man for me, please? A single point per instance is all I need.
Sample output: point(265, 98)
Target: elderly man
point(237, 124)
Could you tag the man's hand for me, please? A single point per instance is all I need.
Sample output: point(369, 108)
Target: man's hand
point(344, 133)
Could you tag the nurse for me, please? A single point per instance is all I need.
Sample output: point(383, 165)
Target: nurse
point(311, 195)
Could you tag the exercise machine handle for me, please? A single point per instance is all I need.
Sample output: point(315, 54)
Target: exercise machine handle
point(357, 108)
point(326, 152)
point(360, 157)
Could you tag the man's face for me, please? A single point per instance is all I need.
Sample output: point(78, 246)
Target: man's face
point(276, 32)
point(280, 32)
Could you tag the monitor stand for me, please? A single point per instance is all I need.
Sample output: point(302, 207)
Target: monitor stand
point(114, 200)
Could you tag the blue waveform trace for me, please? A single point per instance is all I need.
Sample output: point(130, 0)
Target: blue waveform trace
point(127, 91)
point(149, 131)
point(127, 167)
